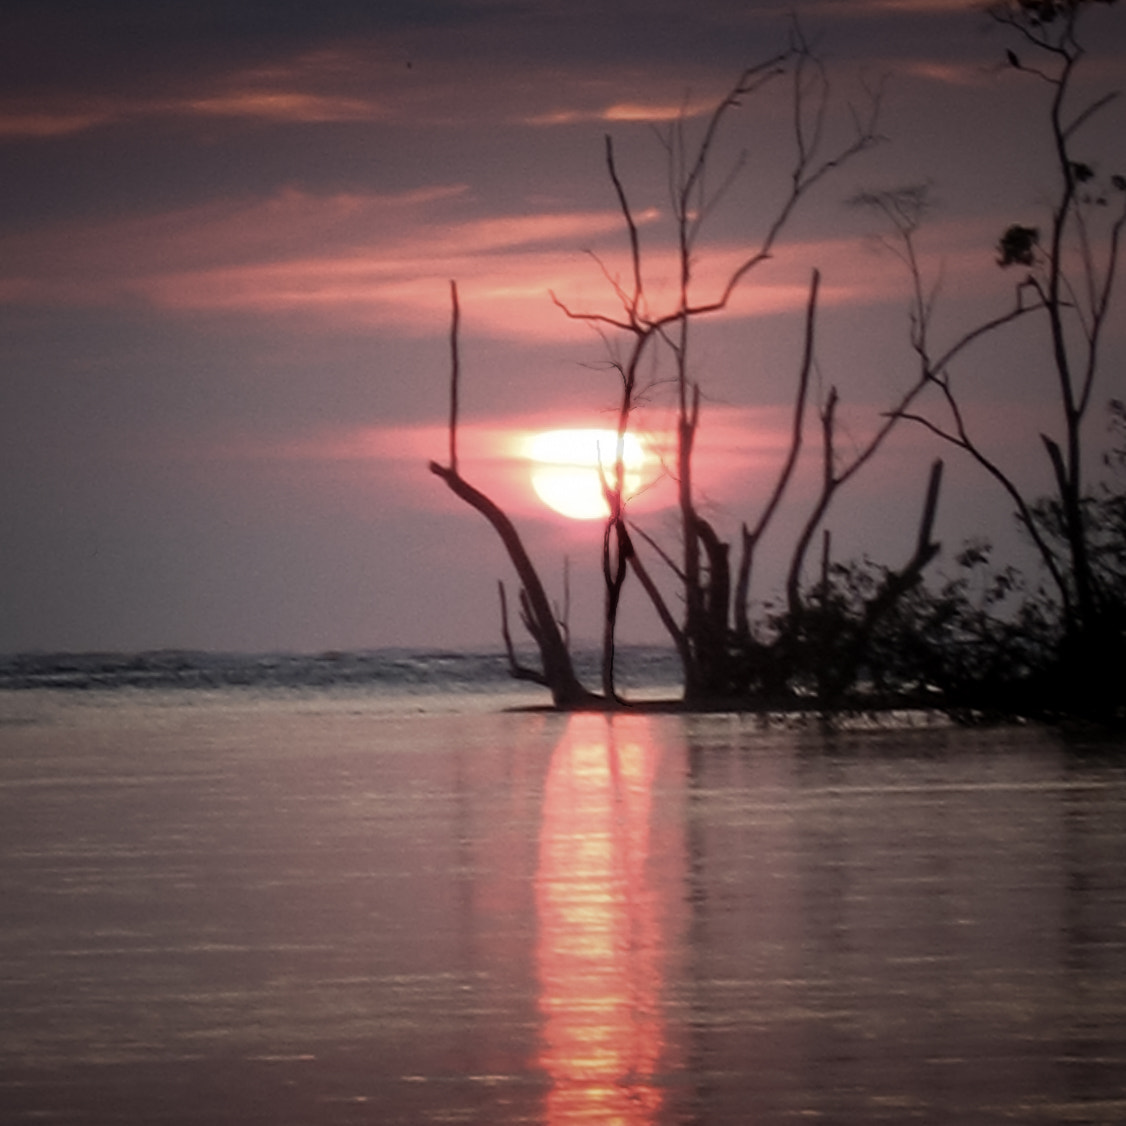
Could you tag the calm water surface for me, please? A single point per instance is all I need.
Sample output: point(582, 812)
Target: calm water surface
point(287, 909)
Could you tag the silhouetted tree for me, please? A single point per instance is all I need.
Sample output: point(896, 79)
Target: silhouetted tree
point(1068, 272)
point(984, 641)
point(714, 638)
point(715, 611)
point(557, 672)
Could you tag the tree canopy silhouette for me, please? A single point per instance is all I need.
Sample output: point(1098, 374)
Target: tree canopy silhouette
point(857, 631)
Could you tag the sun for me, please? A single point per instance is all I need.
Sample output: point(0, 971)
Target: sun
point(565, 469)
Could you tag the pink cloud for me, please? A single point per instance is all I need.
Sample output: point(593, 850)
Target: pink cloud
point(281, 105)
point(18, 122)
point(386, 260)
point(740, 449)
point(946, 73)
point(372, 258)
point(303, 90)
point(632, 111)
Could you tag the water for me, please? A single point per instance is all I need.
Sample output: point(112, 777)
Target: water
point(355, 902)
point(398, 678)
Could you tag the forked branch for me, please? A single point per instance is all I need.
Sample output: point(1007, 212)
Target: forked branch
point(558, 672)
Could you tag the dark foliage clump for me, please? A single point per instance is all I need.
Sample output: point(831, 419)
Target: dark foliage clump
point(1017, 246)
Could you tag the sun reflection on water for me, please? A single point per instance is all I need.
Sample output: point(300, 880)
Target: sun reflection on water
point(600, 946)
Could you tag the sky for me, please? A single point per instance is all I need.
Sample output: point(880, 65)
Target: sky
point(227, 233)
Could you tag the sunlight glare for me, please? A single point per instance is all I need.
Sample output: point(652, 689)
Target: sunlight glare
point(565, 469)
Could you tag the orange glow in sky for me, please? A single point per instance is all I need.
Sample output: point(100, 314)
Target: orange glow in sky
point(253, 302)
point(565, 469)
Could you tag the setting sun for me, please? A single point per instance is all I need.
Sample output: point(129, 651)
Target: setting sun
point(565, 469)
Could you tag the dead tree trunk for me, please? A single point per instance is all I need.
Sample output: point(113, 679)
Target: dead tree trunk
point(558, 674)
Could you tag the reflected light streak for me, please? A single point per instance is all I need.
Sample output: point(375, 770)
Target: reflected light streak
point(600, 945)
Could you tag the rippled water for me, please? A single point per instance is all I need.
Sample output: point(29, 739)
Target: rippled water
point(301, 908)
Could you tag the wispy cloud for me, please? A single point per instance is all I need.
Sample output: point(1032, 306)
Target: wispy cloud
point(16, 121)
point(370, 81)
point(947, 73)
point(317, 87)
point(506, 294)
point(275, 106)
point(372, 259)
point(744, 447)
point(385, 260)
point(281, 105)
point(657, 112)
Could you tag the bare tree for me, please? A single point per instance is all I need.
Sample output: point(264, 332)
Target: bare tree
point(714, 638)
point(1067, 278)
point(557, 672)
point(704, 572)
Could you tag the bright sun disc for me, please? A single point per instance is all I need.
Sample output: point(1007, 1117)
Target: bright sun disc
point(565, 469)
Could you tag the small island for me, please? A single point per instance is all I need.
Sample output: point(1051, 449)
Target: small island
point(988, 640)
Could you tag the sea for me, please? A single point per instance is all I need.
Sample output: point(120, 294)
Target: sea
point(393, 887)
point(397, 679)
